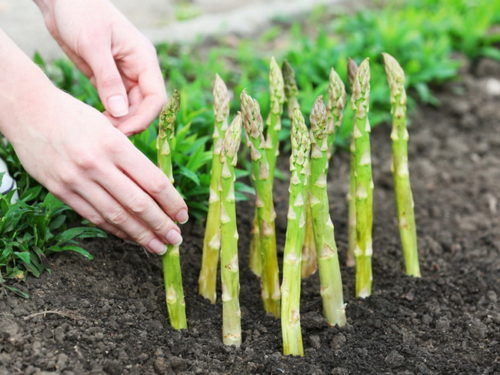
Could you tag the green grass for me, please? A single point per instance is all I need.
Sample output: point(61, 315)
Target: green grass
point(422, 34)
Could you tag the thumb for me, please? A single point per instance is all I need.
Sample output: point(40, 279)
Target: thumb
point(109, 82)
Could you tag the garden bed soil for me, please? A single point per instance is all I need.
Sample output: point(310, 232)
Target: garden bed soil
point(108, 316)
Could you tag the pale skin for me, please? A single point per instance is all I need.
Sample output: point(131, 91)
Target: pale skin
point(79, 154)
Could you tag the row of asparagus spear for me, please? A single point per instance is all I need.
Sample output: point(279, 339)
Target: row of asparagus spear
point(310, 240)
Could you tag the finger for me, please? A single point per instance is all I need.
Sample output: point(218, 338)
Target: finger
point(152, 180)
point(108, 81)
point(140, 204)
point(88, 212)
point(152, 87)
point(134, 100)
point(117, 216)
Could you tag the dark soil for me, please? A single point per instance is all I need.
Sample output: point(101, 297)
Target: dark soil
point(108, 315)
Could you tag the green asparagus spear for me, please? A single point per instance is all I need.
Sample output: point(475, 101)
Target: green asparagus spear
point(231, 327)
point(352, 68)
point(401, 175)
point(211, 242)
point(363, 178)
point(273, 126)
point(171, 260)
point(335, 107)
point(252, 121)
point(324, 236)
point(290, 289)
point(291, 89)
point(309, 263)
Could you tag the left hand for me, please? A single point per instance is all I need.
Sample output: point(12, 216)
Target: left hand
point(113, 54)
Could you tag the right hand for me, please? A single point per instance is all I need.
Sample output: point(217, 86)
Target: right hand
point(75, 151)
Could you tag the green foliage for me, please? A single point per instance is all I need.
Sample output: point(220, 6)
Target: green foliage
point(33, 228)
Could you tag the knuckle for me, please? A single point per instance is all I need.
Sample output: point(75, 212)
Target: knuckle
point(162, 227)
point(139, 205)
point(142, 237)
point(111, 145)
point(159, 186)
point(85, 160)
point(97, 220)
point(116, 217)
point(110, 81)
point(68, 178)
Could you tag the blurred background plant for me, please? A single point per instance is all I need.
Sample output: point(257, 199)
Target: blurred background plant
point(424, 35)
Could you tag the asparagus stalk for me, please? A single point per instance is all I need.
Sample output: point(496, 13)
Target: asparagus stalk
point(309, 263)
point(273, 126)
point(211, 242)
point(290, 289)
point(322, 123)
point(273, 122)
point(363, 178)
point(352, 67)
point(291, 89)
point(172, 274)
point(252, 121)
point(335, 107)
point(231, 314)
point(401, 174)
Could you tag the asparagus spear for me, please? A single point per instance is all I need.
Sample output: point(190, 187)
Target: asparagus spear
point(363, 178)
point(211, 242)
point(252, 121)
point(401, 175)
point(309, 263)
point(352, 67)
point(273, 126)
point(231, 314)
point(291, 89)
point(171, 260)
point(290, 289)
point(335, 107)
point(324, 233)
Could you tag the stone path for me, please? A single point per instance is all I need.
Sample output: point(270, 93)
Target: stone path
point(21, 19)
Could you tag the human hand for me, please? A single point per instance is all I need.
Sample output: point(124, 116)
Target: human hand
point(116, 57)
point(75, 152)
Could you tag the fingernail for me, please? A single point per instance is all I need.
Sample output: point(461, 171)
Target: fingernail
point(174, 237)
point(182, 217)
point(117, 106)
point(158, 247)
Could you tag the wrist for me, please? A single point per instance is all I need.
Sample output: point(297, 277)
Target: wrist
point(24, 88)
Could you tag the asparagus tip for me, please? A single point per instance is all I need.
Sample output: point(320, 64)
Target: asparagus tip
point(168, 114)
point(291, 89)
point(232, 139)
point(361, 81)
point(318, 119)
point(395, 74)
point(352, 68)
point(276, 86)
point(221, 99)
